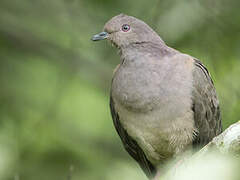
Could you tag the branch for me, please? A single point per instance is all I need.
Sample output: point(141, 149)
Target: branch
point(218, 160)
point(228, 142)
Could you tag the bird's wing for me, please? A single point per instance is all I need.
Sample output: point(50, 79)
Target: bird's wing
point(205, 106)
point(131, 145)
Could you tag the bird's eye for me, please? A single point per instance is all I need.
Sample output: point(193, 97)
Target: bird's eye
point(125, 28)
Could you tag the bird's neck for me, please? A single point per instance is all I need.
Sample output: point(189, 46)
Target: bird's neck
point(140, 50)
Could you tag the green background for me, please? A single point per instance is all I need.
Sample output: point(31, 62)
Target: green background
point(55, 121)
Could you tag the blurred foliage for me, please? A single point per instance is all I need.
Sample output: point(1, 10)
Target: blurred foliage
point(54, 116)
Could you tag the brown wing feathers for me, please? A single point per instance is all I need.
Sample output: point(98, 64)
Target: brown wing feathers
point(205, 106)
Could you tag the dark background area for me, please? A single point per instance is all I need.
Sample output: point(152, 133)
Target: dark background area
point(54, 82)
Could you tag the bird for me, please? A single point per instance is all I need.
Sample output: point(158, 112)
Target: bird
point(162, 101)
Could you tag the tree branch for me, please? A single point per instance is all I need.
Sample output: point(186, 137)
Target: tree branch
point(218, 160)
point(228, 142)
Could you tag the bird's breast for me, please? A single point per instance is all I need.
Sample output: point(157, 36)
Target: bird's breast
point(144, 85)
point(136, 88)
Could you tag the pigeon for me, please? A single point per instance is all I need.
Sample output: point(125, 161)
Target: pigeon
point(163, 102)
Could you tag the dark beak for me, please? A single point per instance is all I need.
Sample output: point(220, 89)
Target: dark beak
point(100, 36)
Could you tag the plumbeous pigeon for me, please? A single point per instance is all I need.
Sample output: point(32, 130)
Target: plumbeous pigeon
point(162, 101)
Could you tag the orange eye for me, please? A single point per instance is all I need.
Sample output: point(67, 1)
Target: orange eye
point(125, 27)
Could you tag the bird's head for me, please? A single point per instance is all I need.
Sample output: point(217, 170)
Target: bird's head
point(123, 30)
